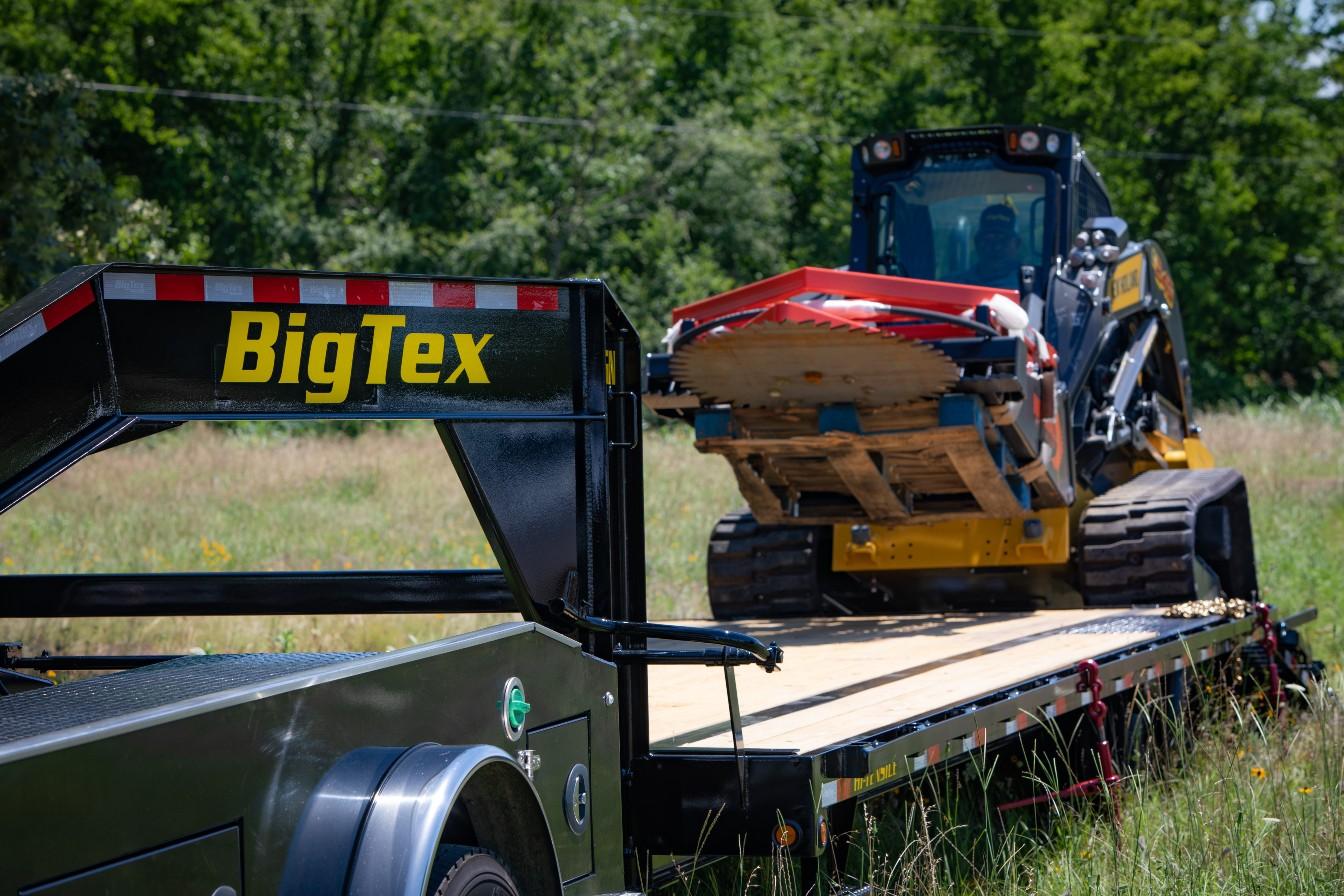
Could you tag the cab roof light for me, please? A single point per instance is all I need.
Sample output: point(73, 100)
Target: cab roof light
point(1035, 141)
point(884, 150)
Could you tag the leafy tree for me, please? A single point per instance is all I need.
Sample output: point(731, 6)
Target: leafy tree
point(675, 150)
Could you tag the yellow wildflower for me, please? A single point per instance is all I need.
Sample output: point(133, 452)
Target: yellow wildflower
point(1258, 772)
point(1306, 790)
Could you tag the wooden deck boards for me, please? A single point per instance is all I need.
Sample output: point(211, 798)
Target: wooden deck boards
point(841, 677)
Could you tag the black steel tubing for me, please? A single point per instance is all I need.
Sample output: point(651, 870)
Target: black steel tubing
point(727, 656)
point(86, 662)
point(768, 655)
point(255, 593)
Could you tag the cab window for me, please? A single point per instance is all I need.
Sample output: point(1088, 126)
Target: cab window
point(1091, 201)
point(962, 220)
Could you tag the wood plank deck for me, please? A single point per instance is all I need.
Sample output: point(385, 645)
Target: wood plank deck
point(845, 676)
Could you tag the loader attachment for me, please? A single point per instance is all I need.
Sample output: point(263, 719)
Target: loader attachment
point(843, 397)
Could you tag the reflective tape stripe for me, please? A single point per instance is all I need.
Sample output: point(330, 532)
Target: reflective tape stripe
point(281, 289)
point(538, 298)
point(227, 289)
point(139, 287)
point(366, 292)
point(410, 294)
point(21, 335)
point(497, 295)
point(179, 287)
point(830, 793)
point(67, 306)
point(975, 740)
point(46, 320)
point(313, 291)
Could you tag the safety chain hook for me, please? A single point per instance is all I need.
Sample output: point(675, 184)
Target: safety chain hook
point(1089, 682)
point(1269, 639)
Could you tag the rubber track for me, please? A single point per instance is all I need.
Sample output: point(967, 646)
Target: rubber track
point(756, 570)
point(1138, 540)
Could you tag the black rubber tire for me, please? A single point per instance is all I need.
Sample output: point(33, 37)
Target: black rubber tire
point(469, 871)
point(764, 571)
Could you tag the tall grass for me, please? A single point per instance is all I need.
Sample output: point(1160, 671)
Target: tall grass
point(206, 499)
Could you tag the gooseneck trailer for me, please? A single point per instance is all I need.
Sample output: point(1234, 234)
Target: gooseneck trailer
point(576, 750)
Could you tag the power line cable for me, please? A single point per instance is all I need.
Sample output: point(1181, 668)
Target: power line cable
point(293, 102)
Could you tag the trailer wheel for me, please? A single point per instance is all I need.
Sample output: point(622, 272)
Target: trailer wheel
point(469, 871)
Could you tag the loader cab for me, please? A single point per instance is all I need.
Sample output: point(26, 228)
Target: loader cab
point(968, 205)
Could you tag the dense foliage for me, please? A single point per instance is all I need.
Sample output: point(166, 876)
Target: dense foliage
point(675, 149)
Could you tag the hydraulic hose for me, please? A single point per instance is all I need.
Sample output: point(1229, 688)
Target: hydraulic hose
point(920, 313)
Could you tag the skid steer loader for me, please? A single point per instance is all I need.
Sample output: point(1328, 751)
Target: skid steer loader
point(989, 406)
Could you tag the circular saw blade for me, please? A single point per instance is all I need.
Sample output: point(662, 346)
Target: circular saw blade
point(789, 364)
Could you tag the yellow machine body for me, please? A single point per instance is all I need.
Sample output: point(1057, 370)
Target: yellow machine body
point(1038, 539)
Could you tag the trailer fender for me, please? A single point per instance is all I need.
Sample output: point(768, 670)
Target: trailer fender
point(393, 832)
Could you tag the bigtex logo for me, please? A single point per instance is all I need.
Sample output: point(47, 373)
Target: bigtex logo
point(327, 358)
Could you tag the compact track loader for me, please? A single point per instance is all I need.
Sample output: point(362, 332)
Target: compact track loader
point(990, 406)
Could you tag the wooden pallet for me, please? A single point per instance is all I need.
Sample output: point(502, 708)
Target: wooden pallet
point(915, 471)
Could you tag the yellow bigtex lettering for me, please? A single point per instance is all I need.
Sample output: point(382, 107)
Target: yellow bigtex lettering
point(250, 357)
point(325, 360)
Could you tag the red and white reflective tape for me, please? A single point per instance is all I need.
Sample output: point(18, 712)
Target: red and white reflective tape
point(931, 756)
point(975, 741)
point(286, 290)
point(48, 319)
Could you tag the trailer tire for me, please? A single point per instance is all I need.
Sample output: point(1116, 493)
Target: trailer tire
point(469, 871)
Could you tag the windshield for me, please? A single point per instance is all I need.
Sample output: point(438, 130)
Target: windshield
point(961, 220)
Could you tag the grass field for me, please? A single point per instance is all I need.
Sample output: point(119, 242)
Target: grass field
point(1255, 808)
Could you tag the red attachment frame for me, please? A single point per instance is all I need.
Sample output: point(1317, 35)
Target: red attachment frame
point(950, 298)
point(1089, 682)
point(1270, 639)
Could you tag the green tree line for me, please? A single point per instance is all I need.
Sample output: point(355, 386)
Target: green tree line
point(674, 149)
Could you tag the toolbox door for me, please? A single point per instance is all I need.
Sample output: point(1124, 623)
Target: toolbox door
point(210, 865)
point(564, 785)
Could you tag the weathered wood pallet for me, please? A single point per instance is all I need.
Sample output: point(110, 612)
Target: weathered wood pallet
point(904, 467)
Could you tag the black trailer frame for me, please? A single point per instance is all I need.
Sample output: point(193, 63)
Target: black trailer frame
point(544, 435)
